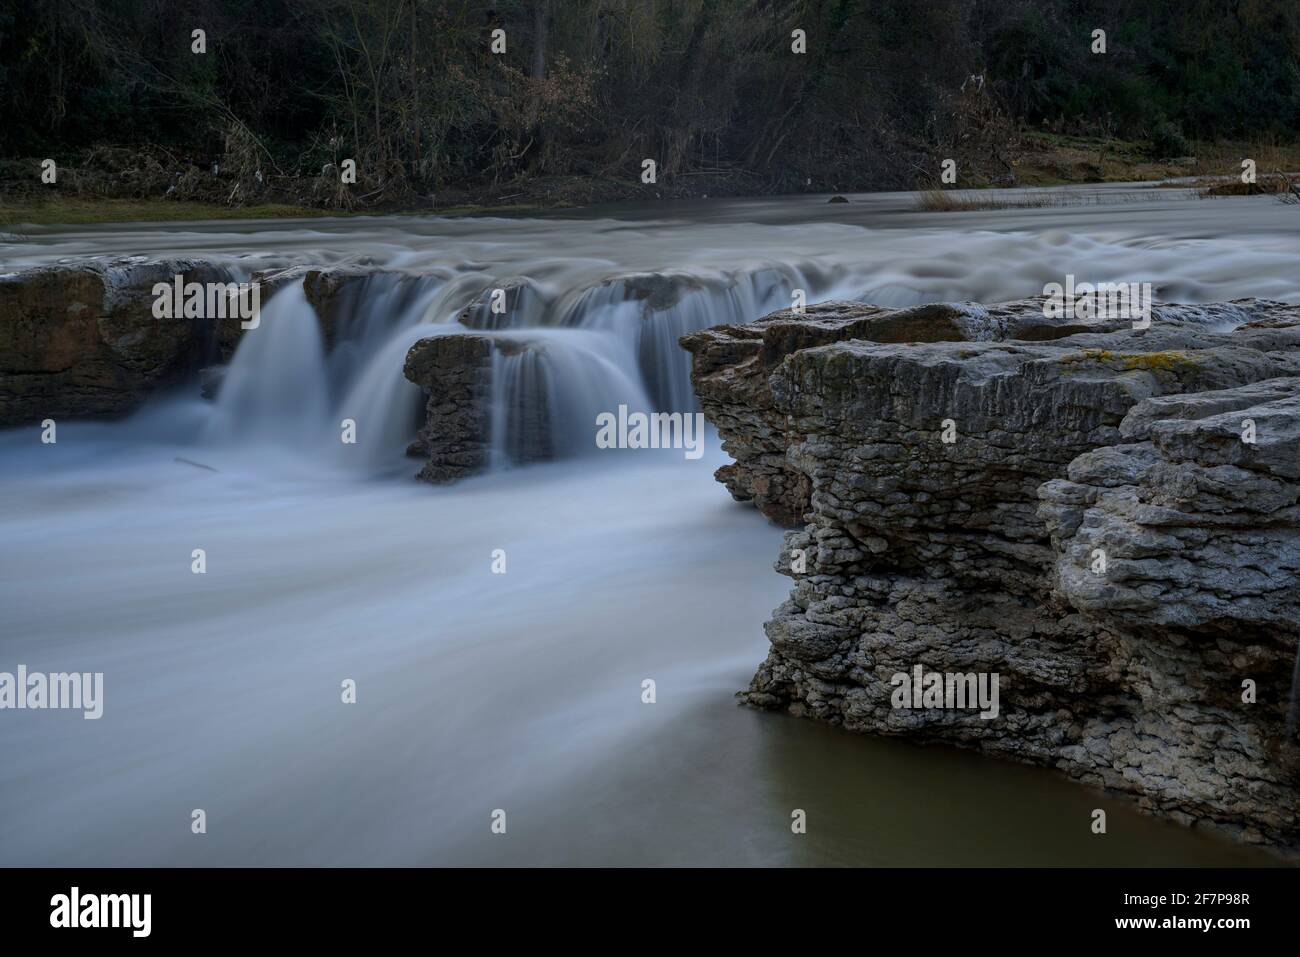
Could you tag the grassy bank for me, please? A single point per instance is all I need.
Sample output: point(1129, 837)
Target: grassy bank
point(1047, 159)
point(76, 210)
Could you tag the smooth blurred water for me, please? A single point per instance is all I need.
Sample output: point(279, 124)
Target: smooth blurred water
point(478, 691)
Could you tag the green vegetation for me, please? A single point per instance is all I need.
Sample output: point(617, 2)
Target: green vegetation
point(1160, 361)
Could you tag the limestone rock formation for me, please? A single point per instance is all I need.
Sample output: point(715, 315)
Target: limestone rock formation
point(731, 366)
point(83, 341)
point(456, 372)
point(1074, 512)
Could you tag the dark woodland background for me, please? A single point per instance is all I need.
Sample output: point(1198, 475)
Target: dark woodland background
point(588, 88)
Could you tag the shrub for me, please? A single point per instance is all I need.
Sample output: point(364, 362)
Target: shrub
point(1167, 140)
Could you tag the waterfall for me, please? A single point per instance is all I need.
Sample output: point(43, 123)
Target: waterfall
point(276, 388)
point(282, 388)
point(367, 314)
point(549, 385)
point(383, 404)
point(564, 355)
point(518, 303)
point(654, 311)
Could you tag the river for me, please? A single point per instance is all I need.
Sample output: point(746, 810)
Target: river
point(521, 692)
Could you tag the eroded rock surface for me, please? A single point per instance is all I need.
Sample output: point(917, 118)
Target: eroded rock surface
point(456, 372)
point(1075, 512)
point(732, 365)
point(83, 341)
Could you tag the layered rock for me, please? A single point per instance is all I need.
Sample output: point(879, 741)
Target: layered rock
point(1186, 547)
point(732, 365)
point(961, 497)
point(457, 372)
point(83, 341)
point(1196, 518)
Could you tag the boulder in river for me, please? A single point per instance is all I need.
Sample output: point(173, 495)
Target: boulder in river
point(457, 438)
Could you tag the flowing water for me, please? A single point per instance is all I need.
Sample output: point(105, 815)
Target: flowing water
point(519, 691)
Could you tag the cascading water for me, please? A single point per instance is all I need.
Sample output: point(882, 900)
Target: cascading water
point(384, 406)
point(627, 277)
point(368, 312)
point(276, 388)
point(548, 387)
point(521, 690)
point(655, 310)
point(282, 388)
point(564, 356)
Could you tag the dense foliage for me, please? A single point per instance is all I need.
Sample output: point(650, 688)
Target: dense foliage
point(411, 89)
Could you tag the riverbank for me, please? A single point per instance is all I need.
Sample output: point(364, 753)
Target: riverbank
point(140, 186)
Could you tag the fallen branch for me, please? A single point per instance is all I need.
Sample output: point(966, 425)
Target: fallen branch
point(197, 465)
